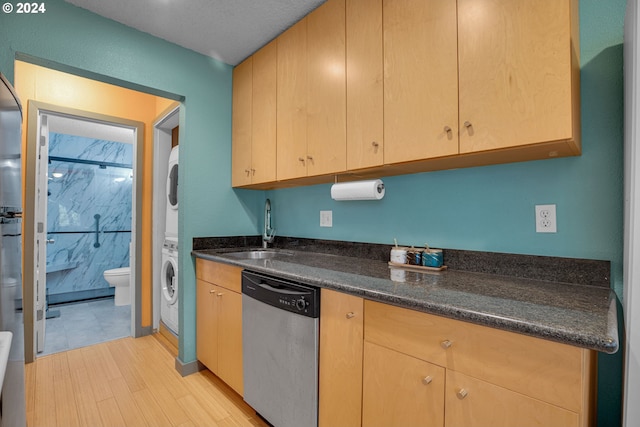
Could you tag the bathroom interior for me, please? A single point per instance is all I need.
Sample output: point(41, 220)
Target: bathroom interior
point(89, 220)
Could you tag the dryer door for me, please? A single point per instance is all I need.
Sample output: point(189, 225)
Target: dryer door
point(170, 280)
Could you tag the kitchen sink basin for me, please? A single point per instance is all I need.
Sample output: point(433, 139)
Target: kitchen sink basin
point(258, 254)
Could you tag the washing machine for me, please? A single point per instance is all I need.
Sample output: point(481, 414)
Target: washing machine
point(171, 229)
point(169, 283)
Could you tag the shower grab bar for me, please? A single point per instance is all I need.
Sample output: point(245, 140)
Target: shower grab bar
point(97, 243)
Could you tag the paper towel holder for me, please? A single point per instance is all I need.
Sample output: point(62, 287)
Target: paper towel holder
point(358, 190)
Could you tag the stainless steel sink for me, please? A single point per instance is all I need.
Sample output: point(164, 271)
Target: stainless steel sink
point(258, 254)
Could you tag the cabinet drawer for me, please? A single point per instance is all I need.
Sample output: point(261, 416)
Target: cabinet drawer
point(552, 372)
point(471, 402)
point(227, 276)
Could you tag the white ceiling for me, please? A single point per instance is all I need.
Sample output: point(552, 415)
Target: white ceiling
point(228, 30)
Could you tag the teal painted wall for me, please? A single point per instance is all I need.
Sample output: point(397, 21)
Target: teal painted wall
point(75, 38)
point(486, 208)
point(492, 208)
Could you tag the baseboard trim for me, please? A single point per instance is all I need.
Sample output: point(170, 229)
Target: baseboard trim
point(185, 369)
point(168, 334)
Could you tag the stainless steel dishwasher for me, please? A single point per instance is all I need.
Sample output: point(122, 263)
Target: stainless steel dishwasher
point(280, 328)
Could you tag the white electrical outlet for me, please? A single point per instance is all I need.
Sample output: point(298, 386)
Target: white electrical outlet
point(326, 218)
point(546, 219)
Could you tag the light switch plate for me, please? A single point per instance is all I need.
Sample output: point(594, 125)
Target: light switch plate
point(546, 219)
point(326, 218)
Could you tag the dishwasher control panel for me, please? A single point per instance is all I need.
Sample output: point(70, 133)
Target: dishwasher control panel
point(291, 296)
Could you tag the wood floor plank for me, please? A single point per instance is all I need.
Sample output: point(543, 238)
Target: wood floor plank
point(150, 409)
point(30, 393)
point(45, 406)
point(194, 410)
point(109, 364)
point(101, 394)
point(167, 402)
point(228, 398)
point(66, 408)
point(129, 410)
point(98, 376)
point(88, 413)
point(110, 413)
point(125, 361)
point(201, 392)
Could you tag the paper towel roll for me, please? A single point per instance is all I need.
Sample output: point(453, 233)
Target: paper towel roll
point(358, 190)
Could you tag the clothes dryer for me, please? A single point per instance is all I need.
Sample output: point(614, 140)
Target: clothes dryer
point(171, 227)
point(169, 283)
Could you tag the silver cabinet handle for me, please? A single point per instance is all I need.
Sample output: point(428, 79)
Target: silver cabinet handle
point(427, 380)
point(49, 241)
point(462, 393)
point(350, 315)
point(212, 291)
point(446, 344)
point(220, 294)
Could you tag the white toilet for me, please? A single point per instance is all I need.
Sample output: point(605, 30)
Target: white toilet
point(119, 278)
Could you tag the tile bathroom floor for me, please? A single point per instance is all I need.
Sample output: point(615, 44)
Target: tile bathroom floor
point(86, 323)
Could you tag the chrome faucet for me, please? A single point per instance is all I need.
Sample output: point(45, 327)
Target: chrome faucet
point(269, 233)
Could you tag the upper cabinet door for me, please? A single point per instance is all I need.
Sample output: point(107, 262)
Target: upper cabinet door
point(263, 146)
point(365, 139)
point(326, 91)
point(516, 72)
point(241, 128)
point(420, 79)
point(292, 102)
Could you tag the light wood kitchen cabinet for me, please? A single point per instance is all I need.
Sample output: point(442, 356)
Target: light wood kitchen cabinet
point(326, 90)
point(519, 75)
point(391, 87)
point(311, 100)
point(291, 101)
point(365, 137)
point(254, 119)
point(340, 369)
point(400, 390)
point(420, 79)
point(206, 324)
point(219, 320)
point(533, 369)
point(473, 402)
point(241, 123)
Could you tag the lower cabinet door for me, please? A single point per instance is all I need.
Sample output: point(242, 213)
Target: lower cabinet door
point(230, 338)
point(471, 402)
point(340, 375)
point(206, 325)
point(400, 390)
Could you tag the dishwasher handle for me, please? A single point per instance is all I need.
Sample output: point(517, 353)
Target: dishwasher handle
point(280, 290)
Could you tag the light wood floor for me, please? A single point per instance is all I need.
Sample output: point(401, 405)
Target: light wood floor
point(128, 382)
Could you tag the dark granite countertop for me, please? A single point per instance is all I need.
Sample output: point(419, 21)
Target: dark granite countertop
point(574, 314)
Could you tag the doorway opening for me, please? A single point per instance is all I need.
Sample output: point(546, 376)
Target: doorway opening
point(85, 215)
point(164, 140)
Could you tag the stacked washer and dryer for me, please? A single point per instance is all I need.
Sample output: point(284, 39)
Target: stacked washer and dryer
point(169, 273)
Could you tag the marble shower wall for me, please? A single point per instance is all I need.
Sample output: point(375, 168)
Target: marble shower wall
point(77, 193)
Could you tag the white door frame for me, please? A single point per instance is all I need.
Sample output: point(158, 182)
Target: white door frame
point(40, 224)
point(31, 161)
point(162, 127)
point(631, 396)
